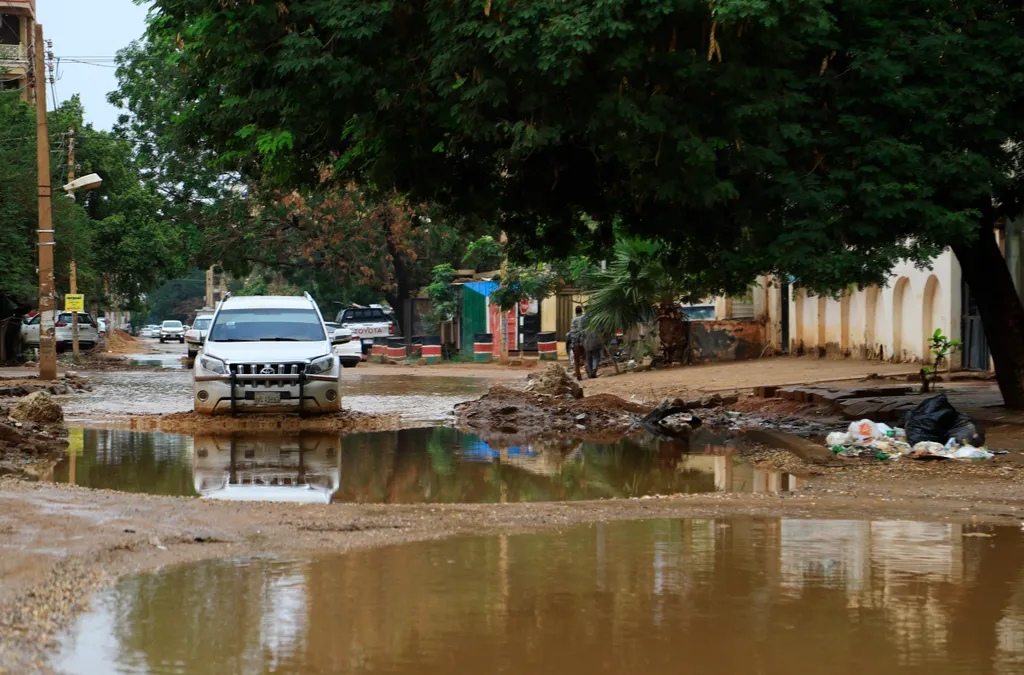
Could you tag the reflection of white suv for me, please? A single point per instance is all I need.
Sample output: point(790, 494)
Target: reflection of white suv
point(172, 330)
point(267, 353)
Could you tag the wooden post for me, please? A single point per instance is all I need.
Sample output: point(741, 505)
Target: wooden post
point(47, 347)
point(74, 268)
point(502, 314)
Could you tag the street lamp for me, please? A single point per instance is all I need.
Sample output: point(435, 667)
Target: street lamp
point(88, 182)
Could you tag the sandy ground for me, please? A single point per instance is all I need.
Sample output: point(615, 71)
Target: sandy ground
point(60, 543)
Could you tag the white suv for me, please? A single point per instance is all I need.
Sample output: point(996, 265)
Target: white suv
point(267, 353)
point(88, 336)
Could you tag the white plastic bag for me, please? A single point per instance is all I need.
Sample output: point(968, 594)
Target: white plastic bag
point(865, 430)
point(931, 448)
point(838, 438)
point(971, 452)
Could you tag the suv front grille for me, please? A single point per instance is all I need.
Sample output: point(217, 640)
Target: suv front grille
point(261, 368)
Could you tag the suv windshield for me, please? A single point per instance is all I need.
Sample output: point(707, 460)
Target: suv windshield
point(201, 324)
point(267, 325)
point(172, 324)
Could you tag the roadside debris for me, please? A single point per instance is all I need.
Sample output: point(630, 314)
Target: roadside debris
point(933, 430)
point(554, 381)
point(37, 407)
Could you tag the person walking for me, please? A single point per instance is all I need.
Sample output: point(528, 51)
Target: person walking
point(592, 345)
point(574, 342)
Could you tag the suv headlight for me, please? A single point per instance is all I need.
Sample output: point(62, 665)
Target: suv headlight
point(213, 365)
point(321, 364)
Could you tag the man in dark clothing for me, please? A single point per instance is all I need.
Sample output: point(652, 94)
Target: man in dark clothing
point(574, 341)
point(593, 344)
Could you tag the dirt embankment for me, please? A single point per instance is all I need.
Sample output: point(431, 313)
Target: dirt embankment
point(505, 416)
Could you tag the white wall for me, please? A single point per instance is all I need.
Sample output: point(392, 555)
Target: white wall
point(888, 321)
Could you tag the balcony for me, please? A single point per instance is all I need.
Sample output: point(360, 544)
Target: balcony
point(13, 60)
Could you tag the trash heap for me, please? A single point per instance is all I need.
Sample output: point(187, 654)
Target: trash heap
point(933, 430)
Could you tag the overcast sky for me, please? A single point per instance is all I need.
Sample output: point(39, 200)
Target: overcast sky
point(89, 28)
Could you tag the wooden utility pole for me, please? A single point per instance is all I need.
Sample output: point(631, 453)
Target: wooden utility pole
point(502, 314)
point(209, 286)
point(74, 269)
point(47, 348)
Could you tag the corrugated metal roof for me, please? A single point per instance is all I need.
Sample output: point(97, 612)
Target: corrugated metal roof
point(482, 287)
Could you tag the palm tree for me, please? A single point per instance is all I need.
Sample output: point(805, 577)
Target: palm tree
point(639, 285)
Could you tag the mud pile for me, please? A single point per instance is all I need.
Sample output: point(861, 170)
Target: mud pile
point(505, 416)
point(23, 386)
point(192, 422)
point(554, 381)
point(30, 448)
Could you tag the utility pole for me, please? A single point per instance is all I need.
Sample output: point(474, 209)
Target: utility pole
point(209, 286)
point(74, 269)
point(503, 328)
point(47, 349)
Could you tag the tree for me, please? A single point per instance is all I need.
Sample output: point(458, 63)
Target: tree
point(639, 286)
point(817, 139)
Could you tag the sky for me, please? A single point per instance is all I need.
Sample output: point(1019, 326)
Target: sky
point(89, 28)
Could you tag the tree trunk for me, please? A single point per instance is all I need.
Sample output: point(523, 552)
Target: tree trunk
point(1002, 313)
point(399, 298)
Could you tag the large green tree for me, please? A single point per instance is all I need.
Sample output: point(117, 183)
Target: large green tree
point(814, 138)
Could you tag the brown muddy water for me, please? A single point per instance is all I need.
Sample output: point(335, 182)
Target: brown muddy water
point(709, 597)
point(429, 464)
point(119, 394)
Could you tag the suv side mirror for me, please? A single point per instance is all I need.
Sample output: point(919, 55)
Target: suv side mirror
point(341, 336)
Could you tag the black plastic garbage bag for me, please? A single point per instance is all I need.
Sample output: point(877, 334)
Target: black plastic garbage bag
point(967, 432)
point(930, 421)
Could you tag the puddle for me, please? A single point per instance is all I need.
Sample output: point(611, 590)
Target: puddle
point(709, 597)
point(158, 360)
point(431, 464)
point(121, 394)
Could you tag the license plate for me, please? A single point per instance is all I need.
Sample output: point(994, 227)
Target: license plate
point(267, 397)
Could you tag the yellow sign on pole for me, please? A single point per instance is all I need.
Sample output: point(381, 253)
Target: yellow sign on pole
point(76, 444)
point(74, 302)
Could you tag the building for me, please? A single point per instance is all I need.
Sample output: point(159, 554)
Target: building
point(17, 35)
point(890, 323)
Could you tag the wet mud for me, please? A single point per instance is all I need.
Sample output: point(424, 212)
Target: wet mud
point(504, 416)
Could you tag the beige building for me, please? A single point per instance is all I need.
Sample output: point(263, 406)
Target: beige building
point(17, 35)
point(890, 323)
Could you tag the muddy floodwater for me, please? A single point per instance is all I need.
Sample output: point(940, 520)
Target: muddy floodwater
point(729, 596)
point(429, 464)
point(120, 394)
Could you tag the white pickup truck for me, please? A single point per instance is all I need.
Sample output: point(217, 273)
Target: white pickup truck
point(368, 323)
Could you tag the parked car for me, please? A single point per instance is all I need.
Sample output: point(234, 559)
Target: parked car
point(88, 336)
point(346, 345)
point(172, 330)
point(150, 330)
point(195, 335)
point(267, 353)
point(368, 323)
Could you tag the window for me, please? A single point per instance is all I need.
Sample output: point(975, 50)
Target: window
point(201, 324)
point(172, 324)
point(267, 325)
point(10, 29)
point(66, 317)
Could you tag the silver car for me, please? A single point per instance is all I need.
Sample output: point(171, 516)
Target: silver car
point(267, 353)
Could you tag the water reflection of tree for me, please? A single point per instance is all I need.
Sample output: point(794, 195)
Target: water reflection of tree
point(439, 465)
point(132, 461)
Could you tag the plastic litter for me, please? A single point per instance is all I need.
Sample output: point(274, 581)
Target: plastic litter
point(932, 420)
point(838, 438)
point(971, 452)
point(866, 438)
point(865, 430)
